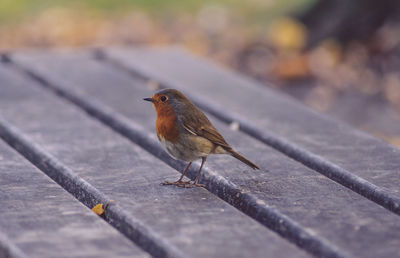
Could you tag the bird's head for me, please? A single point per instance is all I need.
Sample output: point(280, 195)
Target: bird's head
point(168, 99)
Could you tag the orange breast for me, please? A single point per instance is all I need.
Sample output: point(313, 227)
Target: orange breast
point(166, 124)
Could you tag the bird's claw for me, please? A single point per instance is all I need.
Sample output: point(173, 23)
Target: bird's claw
point(198, 185)
point(185, 184)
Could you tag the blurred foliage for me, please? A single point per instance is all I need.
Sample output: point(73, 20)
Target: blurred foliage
point(253, 10)
point(214, 28)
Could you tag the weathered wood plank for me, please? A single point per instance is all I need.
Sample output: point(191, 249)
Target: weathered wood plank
point(358, 161)
point(8, 249)
point(191, 220)
point(86, 193)
point(314, 201)
point(227, 190)
point(280, 122)
point(43, 220)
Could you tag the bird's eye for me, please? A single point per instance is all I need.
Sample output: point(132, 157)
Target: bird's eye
point(163, 98)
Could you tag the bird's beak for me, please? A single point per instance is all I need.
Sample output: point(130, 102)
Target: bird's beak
point(149, 99)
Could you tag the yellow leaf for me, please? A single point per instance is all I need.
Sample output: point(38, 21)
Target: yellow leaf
point(287, 34)
point(98, 209)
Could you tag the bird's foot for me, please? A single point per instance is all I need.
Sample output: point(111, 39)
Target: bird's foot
point(185, 184)
point(179, 183)
point(197, 185)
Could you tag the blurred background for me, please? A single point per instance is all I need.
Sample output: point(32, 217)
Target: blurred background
point(339, 57)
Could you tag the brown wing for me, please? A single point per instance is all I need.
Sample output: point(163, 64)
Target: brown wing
point(198, 124)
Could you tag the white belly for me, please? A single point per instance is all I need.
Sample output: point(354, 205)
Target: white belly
point(170, 148)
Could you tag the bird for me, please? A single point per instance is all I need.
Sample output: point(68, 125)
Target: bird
point(187, 134)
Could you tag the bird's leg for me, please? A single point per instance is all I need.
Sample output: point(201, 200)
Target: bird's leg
point(196, 181)
point(180, 182)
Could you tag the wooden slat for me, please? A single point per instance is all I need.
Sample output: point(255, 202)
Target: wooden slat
point(193, 222)
point(8, 249)
point(352, 158)
point(40, 219)
point(227, 190)
point(329, 210)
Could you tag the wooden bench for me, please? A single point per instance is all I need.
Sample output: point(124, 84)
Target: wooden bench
point(324, 188)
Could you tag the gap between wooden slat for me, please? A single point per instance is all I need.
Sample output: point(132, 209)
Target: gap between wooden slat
point(133, 229)
point(292, 150)
point(8, 249)
point(216, 184)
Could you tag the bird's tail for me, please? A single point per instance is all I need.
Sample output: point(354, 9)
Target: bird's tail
point(243, 159)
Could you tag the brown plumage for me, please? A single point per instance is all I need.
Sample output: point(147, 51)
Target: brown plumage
point(186, 133)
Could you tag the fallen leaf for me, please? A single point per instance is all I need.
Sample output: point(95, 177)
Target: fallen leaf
point(98, 209)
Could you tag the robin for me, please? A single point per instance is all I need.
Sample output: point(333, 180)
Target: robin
point(187, 134)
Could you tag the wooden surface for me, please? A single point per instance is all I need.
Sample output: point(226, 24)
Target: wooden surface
point(323, 189)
